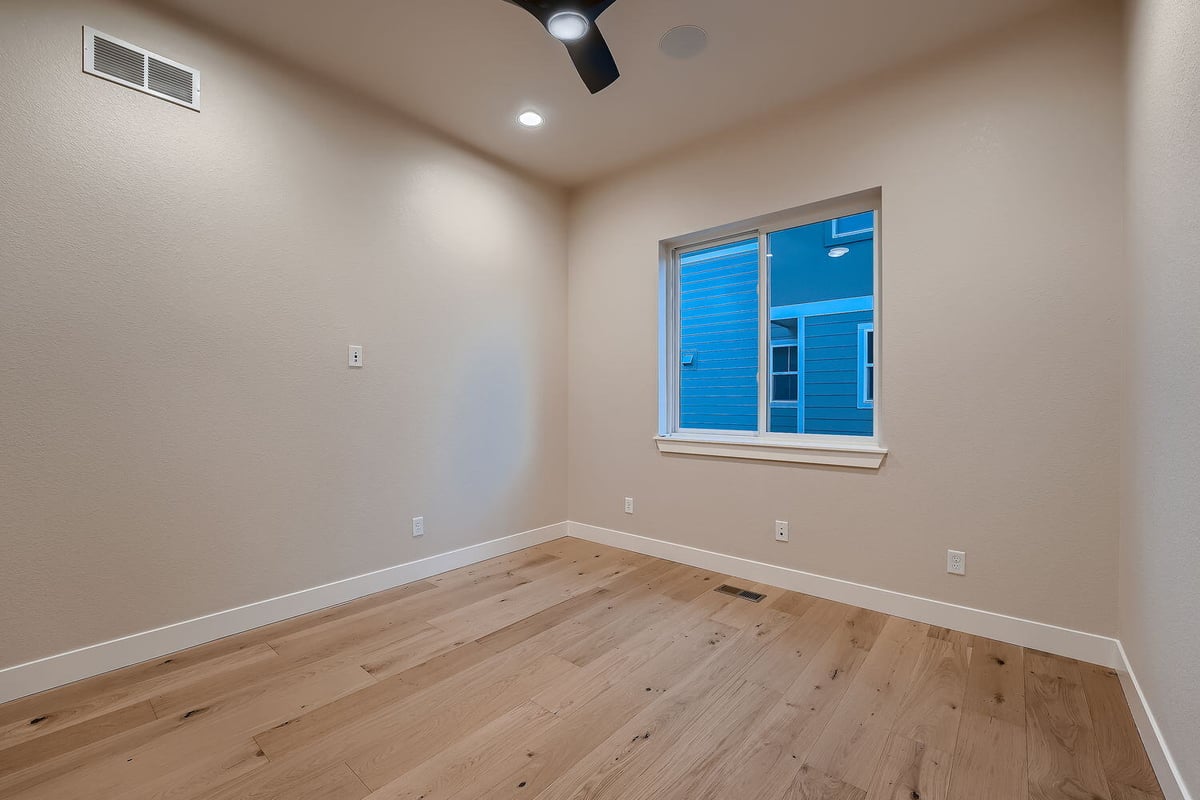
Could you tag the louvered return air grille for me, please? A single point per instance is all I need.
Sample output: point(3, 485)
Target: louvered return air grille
point(121, 62)
point(737, 591)
point(170, 80)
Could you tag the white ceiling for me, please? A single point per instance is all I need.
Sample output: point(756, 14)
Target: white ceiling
point(467, 67)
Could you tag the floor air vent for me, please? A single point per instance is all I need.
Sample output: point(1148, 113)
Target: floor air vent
point(745, 594)
point(121, 62)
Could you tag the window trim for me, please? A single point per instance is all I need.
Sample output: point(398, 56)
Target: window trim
point(852, 451)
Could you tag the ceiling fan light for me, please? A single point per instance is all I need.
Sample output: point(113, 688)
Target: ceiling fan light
point(567, 26)
point(531, 119)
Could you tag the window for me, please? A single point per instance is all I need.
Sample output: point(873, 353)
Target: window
point(853, 226)
point(866, 364)
point(784, 375)
point(769, 336)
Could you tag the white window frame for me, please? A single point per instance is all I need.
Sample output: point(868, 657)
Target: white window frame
point(847, 451)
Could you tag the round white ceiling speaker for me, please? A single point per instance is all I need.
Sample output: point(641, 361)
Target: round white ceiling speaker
point(683, 41)
point(567, 26)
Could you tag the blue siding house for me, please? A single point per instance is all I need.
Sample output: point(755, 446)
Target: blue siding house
point(718, 338)
point(821, 368)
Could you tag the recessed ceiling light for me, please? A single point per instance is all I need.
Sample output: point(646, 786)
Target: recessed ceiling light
point(567, 26)
point(838, 252)
point(531, 119)
point(684, 41)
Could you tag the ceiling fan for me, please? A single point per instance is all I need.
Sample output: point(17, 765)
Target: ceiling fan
point(573, 22)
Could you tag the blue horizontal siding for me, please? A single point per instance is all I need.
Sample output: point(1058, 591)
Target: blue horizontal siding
point(783, 419)
point(718, 332)
point(831, 376)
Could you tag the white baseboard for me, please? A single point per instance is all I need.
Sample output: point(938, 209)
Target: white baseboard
point(46, 673)
point(1169, 777)
point(1079, 645)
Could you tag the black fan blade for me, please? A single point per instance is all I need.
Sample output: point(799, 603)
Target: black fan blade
point(533, 7)
point(594, 60)
point(594, 8)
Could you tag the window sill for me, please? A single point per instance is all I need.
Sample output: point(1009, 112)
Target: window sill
point(865, 456)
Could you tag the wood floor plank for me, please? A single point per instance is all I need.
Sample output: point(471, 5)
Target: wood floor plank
point(910, 769)
point(697, 750)
point(575, 670)
point(1126, 765)
point(777, 666)
point(74, 737)
point(398, 656)
point(990, 758)
point(792, 602)
point(524, 628)
point(208, 730)
point(629, 749)
point(336, 782)
point(989, 761)
point(641, 661)
point(1064, 761)
point(493, 613)
point(773, 753)
point(498, 745)
point(56, 710)
point(852, 744)
point(996, 681)
point(812, 784)
point(930, 711)
point(619, 621)
point(561, 747)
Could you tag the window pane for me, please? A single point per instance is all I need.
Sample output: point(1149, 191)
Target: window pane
point(783, 359)
point(826, 294)
point(855, 223)
point(784, 388)
point(718, 328)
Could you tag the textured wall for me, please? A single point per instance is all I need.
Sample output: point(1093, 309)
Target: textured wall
point(1160, 542)
point(179, 429)
point(1002, 174)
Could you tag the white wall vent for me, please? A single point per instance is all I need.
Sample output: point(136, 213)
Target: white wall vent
point(121, 62)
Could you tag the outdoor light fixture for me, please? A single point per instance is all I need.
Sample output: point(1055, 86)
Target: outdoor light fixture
point(838, 252)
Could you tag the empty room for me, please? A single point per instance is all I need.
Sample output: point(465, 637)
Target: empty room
point(599, 399)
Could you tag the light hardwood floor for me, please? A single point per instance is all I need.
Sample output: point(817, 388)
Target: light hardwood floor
point(574, 670)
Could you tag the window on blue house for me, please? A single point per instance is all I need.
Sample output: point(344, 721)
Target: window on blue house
point(866, 364)
point(784, 374)
point(795, 294)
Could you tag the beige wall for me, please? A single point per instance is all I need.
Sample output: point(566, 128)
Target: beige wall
point(1002, 176)
point(179, 429)
point(1160, 542)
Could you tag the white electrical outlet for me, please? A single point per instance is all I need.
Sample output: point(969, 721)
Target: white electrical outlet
point(356, 355)
point(781, 530)
point(628, 505)
point(956, 562)
point(418, 526)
